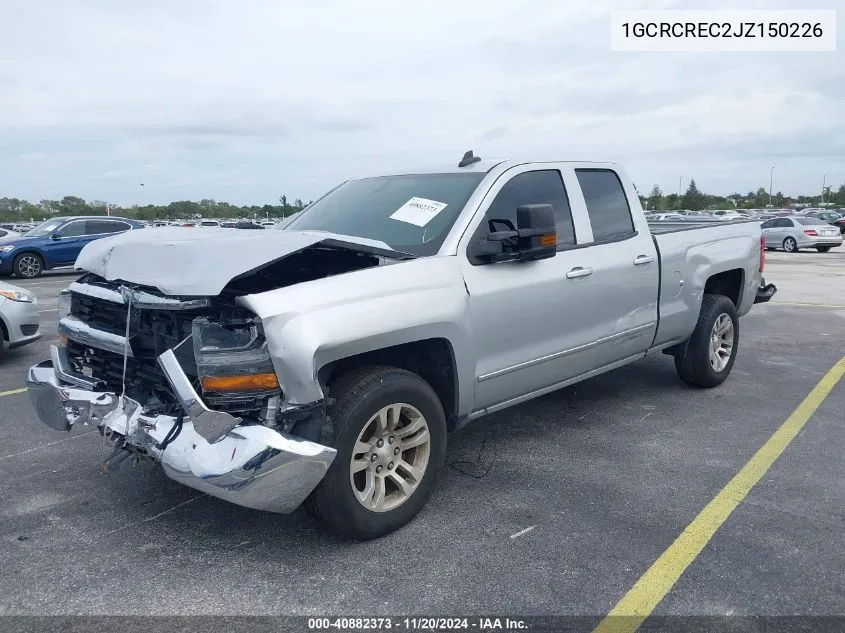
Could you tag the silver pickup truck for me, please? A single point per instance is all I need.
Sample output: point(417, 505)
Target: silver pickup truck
point(325, 363)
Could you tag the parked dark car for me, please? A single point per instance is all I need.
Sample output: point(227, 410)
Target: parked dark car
point(246, 224)
point(56, 242)
point(828, 216)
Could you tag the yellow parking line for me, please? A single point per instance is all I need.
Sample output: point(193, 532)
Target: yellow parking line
point(636, 605)
point(12, 392)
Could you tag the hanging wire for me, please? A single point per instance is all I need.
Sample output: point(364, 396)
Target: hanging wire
point(472, 468)
point(126, 346)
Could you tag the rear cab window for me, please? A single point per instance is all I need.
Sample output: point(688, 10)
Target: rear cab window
point(607, 205)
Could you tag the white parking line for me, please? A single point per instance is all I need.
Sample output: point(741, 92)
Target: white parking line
point(50, 310)
point(153, 518)
point(38, 448)
point(44, 284)
point(525, 531)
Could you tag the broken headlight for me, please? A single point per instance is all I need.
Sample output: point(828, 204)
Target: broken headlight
point(232, 356)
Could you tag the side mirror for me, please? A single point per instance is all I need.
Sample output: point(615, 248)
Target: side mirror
point(56, 236)
point(534, 238)
point(537, 231)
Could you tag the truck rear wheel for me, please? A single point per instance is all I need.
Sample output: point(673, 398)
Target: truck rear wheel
point(389, 430)
point(708, 356)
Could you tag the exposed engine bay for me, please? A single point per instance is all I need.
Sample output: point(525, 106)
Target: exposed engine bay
point(219, 344)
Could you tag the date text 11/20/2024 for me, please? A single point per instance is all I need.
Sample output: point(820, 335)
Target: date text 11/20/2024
point(417, 624)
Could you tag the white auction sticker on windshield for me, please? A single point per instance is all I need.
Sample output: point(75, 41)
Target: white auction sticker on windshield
point(419, 211)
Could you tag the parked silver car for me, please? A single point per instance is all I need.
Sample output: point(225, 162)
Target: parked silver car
point(795, 232)
point(18, 316)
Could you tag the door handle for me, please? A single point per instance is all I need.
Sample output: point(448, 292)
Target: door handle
point(639, 260)
point(578, 271)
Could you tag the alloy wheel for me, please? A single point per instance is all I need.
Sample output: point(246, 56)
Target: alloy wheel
point(390, 457)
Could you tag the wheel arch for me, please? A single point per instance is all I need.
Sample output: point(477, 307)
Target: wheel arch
point(728, 283)
point(432, 359)
point(31, 250)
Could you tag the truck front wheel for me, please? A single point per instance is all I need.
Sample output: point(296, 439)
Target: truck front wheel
point(389, 430)
point(708, 356)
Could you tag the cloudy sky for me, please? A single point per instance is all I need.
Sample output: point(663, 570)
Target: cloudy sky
point(244, 101)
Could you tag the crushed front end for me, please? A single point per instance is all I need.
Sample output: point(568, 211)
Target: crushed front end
point(187, 382)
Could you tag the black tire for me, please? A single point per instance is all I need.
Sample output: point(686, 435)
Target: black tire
point(822, 249)
point(790, 245)
point(28, 265)
point(357, 397)
point(692, 361)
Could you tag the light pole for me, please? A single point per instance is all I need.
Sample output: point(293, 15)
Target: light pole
point(824, 182)
point(771, 180)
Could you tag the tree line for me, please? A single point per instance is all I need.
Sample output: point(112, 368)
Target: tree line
point(17, 210)
point(696, 200)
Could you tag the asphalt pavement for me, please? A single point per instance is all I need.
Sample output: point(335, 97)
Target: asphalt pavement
point(570, 498)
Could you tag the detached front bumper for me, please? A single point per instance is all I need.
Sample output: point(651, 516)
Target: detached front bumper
point(765, 292)
point(250, 465)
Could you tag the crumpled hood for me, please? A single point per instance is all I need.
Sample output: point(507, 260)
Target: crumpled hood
point(200, 261)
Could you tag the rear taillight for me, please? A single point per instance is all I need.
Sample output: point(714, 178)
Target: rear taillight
point(762, 252)
point(811, 232)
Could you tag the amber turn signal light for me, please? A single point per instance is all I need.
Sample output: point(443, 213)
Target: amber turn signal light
point(249, 382)
point(550, 239)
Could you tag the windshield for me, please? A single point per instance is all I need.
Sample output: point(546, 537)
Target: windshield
point(45, 228)
point(411, 213)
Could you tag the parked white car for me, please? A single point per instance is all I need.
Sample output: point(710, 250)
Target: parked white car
point(19, 323)
point(8, 233)
point(728, 215)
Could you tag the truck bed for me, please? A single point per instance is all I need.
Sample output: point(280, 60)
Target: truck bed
point(661, 228)
point(690, 252)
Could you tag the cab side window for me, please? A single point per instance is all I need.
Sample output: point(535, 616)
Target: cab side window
point(533, 187)
point(607, 205)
